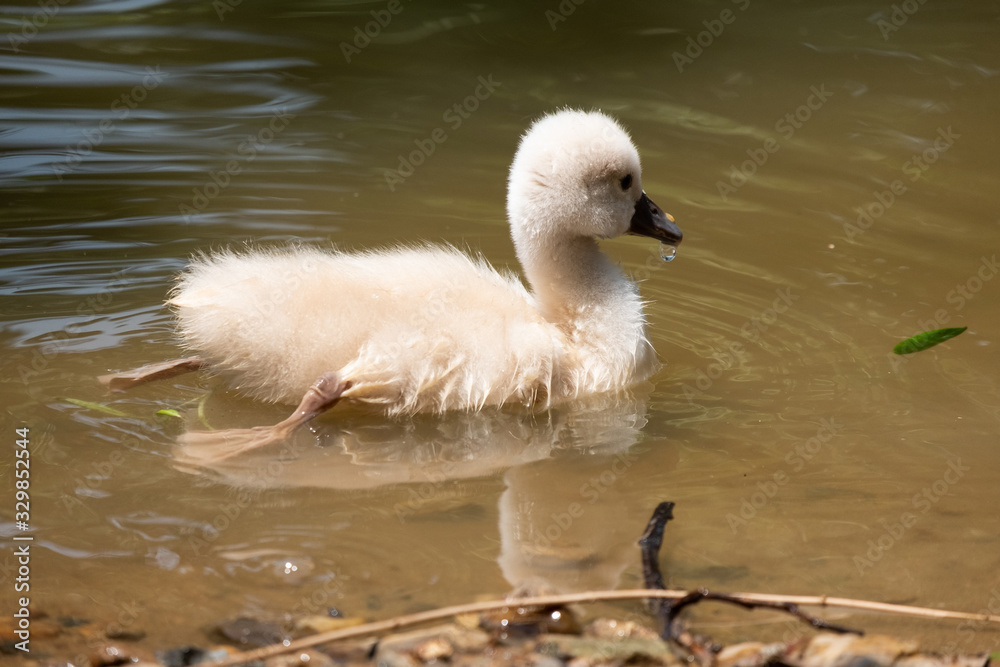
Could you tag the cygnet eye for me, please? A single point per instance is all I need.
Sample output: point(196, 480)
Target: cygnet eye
point(626, 181)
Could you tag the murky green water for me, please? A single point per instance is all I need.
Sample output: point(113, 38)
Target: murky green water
point(803, 456)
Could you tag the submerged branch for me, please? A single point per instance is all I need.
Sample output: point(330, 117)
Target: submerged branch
point(669, 612)
point(650, 543)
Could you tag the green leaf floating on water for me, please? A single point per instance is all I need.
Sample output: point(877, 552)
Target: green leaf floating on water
point(96, 406)
point(927, 339)
point(169, 412)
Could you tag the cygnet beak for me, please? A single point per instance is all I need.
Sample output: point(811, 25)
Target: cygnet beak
point(650, 220)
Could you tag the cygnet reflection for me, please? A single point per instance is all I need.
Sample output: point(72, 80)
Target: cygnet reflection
point(565, 473)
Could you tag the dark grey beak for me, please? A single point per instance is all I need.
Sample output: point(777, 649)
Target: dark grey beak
point(650, 220)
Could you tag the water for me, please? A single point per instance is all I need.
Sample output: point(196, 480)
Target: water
point(834, 182)
point(668, 252)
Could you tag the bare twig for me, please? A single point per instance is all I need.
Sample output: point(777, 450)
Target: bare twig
point(391, 624)
point(693, 597)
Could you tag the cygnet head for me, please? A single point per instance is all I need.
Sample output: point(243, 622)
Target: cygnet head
point(577, 174)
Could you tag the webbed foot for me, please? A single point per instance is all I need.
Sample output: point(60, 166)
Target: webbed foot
point(212, 446)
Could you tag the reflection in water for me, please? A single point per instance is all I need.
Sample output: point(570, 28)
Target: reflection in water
point(572, 540)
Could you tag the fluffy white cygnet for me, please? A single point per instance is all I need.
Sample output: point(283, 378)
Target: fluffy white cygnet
point(432, 329)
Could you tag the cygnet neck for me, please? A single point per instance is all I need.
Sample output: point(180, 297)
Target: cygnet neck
point(573, 280)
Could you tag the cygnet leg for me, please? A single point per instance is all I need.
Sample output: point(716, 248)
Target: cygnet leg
point(319, 398)
point(219, 445)
point(158, 371)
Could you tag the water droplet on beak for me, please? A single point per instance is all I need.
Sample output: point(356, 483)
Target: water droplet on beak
point(668, 252)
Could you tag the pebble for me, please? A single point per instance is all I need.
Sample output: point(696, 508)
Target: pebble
point(251, 633)
point(438, 648)
point(746, 654)
point(388, 658)
point(111, 654)
point(125, 634)
point(436, 643)
point(600, 651)
point(316, 624)
point(180, 657)
point(521, 621)
point(828, 648)
point(184, 656)
point(308, 658)
point(609, 628)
